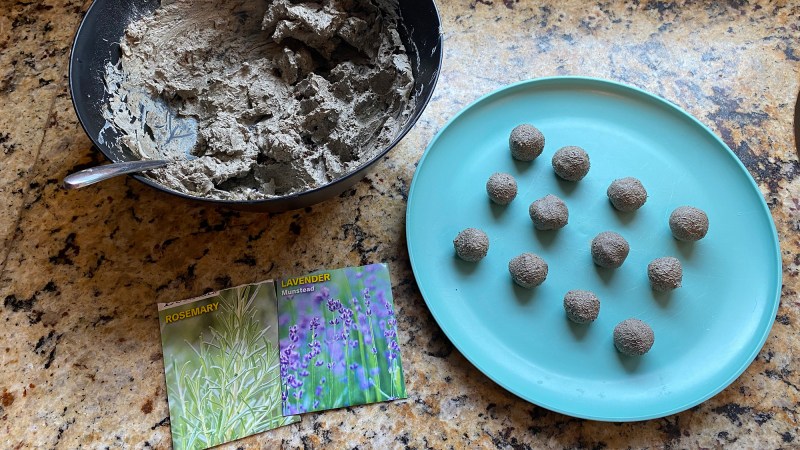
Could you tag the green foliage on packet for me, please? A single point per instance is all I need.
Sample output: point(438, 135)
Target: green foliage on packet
point(221, 365)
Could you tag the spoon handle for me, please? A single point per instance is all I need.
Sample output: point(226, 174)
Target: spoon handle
point(95, 174)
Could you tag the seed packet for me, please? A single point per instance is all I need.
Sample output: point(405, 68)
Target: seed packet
point(250, 358)
point(338, 340)
point(222, 366)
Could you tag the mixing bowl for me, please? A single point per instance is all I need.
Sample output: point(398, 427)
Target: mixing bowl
point(97, 43)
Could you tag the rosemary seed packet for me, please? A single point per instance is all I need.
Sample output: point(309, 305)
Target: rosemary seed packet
point(338, 340)
point(222, 366)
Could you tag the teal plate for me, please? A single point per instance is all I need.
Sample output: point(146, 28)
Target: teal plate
point(707, 332)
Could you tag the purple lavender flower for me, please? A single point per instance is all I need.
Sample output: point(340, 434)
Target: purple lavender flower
point(387, 304)
point(319, 362)
point(339, 367)
point(391, 325)
point(354, 366)
point(284, 365)
point(298, 393)
point(334, 349)
point(323, 295)
point(364, 382)
point(318, 391)
point(374, 350)
point(289, 358)
point(316, 403)
point(347, 317)
point(367, 302)
point(322, 380)
point(293, 381)
point(334, 305)
point(286, 353)
point(316, 349)
point(293, 333)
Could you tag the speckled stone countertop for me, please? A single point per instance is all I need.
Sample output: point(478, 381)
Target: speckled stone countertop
point(81, 271)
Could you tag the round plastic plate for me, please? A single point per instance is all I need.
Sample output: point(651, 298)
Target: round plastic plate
point(707, 332)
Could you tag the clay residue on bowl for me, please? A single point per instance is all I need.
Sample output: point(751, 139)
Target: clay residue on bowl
point(259, 99)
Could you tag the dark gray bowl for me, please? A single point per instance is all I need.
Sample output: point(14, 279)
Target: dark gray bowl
point(97, 43)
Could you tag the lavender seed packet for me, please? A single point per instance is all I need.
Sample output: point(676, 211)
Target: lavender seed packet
point(338, 340)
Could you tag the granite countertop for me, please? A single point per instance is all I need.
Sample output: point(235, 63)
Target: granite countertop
point(81, 271)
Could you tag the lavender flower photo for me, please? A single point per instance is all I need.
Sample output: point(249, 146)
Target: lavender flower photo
point(338, 340)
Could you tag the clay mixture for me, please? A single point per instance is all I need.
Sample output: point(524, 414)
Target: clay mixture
point(257, 99)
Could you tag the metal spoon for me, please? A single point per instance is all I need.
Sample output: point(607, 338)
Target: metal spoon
point(93, 175)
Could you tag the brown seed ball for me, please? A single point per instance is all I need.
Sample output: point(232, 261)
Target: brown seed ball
point(471, 244)
point(627, 194)
point(571, 163)
point(549, 213)
point(665, 273)
point(633, 337)
point(609, 249)
point(581, 306)
point(688, 223)
point(528, 270)
point(526, 142)
point(502, 188)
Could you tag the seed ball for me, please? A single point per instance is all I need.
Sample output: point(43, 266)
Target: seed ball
point(688, 223)
point(609, 250)
point(633, 337)
point(471, 244)
point(526, 142)
point(581, 306)
point(665, 273)
point(627, 194)
point(571, 163)
point(549, 213)
point(528, 270)
point(502, 188)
